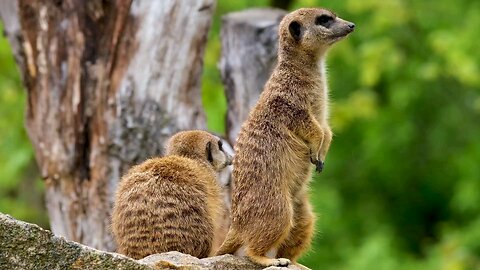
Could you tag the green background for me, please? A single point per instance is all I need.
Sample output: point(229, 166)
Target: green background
point(401, 188)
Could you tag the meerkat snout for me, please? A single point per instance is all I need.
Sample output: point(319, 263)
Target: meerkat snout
point(333, 24)
point(218, 156)
point(229, 160)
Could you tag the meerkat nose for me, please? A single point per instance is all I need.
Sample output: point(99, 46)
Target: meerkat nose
point(229, 160)
point(351, 25)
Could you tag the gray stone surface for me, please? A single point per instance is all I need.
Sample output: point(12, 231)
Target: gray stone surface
point(27, 246)
point(177, 260)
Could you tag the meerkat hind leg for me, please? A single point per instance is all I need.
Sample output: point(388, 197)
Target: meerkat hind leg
point(300, 236)
point(231, 243)
point(258, 247)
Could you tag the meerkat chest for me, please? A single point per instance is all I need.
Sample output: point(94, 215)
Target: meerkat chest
point(319, 101)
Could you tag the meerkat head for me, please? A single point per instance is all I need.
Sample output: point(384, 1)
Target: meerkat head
point(311, 31)
point(199, 145)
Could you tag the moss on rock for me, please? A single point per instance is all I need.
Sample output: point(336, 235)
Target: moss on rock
point(27, 246)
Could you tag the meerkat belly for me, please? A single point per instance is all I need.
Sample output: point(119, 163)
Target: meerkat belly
point(269, 163)
point(259, 170)
point(299, 167)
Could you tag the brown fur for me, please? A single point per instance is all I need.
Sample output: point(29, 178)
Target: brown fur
point(225, 177)
point(286, 131)
point(172, 203)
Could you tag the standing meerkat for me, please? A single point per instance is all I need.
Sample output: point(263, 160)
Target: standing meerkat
point(172, 203)
point(285, 132)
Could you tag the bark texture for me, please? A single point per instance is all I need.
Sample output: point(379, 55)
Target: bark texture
point(107, 83)
point(283, 4)
point(249, 54)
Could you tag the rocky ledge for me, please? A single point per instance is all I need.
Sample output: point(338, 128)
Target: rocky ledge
point(27, 246)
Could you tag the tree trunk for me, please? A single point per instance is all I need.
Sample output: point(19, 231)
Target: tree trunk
point(107, 83)
point(283, 4)
point(249, 53)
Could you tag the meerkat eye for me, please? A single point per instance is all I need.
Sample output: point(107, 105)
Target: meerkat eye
point(220, 145)
point(324, 20)
point(209, 152)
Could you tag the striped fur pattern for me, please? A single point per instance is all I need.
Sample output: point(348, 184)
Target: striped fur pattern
point(172, 203)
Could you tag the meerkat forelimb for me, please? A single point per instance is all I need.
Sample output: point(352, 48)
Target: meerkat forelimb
point(313, 134)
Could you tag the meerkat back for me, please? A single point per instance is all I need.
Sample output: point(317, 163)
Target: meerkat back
point(171, 203)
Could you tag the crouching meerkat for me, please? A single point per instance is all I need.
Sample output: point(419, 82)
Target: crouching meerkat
point(286, 131)
point(172, 203)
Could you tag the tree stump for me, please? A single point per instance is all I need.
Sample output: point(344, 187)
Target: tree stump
point(249, 54)
point(107, 83)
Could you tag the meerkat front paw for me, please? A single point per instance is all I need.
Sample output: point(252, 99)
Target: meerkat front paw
point(318, 164)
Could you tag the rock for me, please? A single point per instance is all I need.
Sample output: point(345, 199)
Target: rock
point(177, 260)
point(27, 246)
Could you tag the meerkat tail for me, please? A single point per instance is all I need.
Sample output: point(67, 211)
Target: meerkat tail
point(231, 243)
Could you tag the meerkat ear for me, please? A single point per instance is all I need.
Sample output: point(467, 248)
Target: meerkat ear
point(295, 29)
point(209, 152)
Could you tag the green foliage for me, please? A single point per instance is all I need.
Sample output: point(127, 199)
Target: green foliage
point(400, 188)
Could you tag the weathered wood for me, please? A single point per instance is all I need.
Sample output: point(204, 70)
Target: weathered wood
point(107, 83)
point(249, 53)
point(283, 4)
